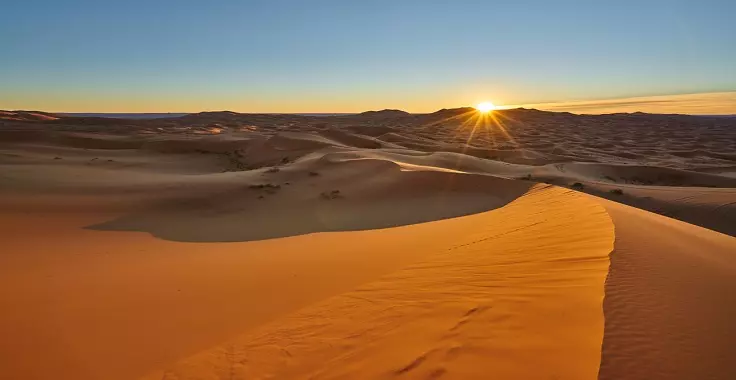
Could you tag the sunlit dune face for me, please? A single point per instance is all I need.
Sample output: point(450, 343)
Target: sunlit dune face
point(485, 107)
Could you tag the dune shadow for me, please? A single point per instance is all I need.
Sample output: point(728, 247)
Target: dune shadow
point(670, 297)
point(242, 214)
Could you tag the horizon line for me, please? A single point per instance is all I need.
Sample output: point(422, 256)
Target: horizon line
point(708, 103)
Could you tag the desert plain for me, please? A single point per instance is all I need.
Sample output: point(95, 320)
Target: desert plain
point(516, 244)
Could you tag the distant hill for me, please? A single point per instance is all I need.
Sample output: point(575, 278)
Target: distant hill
point(126, 115)
point(385, 113)
point(524, 115)
point(453, 111)
point(27, 116)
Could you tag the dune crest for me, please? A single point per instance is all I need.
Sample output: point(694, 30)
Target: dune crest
point(488, 302)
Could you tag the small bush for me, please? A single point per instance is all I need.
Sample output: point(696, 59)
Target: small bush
point(617, 192)
point(334, 194)
point(313, 174)
point(267, 186)
point(578, 186)
point(273, 170)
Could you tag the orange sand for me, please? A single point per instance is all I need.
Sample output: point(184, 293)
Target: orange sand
point(385, 245)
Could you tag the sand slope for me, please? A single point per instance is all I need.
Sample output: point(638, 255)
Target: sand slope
point(488, 302)
point(670, 300)
point(85, 304)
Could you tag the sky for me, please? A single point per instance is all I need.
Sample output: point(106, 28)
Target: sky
point(352, 56)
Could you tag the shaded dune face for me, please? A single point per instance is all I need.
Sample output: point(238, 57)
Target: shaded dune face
point(670, 300)
point(337, 200)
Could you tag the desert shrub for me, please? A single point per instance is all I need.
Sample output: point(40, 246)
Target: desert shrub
point(267, 186)
point(334, 194)
point(617, 192)
point(578, 186)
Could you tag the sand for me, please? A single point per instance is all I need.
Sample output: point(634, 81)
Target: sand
point(383, 245)
point(669, 294)
point(453, 313)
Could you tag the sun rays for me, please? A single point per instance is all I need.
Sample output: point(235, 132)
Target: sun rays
point(471, 131)
point(484, 120)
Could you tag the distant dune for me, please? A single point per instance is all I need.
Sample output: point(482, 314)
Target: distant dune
point(523, 244)
point(127, 115)
point(27, 116)
point(385, 113)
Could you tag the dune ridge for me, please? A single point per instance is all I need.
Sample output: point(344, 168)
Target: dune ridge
point(487, 303)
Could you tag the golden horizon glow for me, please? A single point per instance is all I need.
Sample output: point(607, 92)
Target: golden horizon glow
point(485, 107)
point(712, 103)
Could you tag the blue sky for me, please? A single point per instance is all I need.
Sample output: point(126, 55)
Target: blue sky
point(344, 56)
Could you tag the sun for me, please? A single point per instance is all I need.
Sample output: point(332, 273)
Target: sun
point(485, 107)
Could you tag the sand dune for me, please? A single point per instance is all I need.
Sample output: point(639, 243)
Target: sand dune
point(83, 304)
point(460, 312)
point(643, 175)
point(383, 245)
point(250, 210)
point(669, 294)
point(354, 139)
point(27, 116)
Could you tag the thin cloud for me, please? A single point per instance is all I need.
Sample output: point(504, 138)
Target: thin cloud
point(715, 103)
